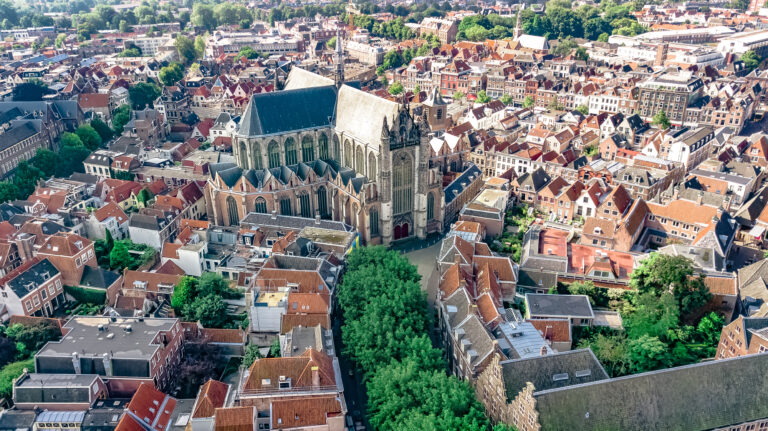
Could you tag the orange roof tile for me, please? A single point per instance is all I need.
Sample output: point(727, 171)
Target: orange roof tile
point(212, 395)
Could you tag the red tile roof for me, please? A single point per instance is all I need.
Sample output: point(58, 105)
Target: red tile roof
point(152, 407)
point(111, 209)
point(212, 395)
point(299, 413)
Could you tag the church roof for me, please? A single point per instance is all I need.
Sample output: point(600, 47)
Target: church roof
point(362, 114)
point(300, 78)
point(284, 111)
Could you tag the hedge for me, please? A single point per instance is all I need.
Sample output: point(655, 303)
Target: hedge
point(87, 296)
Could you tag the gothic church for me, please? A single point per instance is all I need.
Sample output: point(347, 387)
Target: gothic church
point(325, 149)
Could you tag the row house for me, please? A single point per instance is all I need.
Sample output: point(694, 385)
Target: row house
point(33, 289)
point(689, 147)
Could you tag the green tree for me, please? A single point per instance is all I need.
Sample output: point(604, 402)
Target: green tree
point(88, 136)
point(653, 315)
point(402, 395)
point(33, 90)
point(144, 196)
point(105, 133)
point(248, 52)
point(274, 349)
point(200, 46)
point(32, 337)
point(396, 88)
point(8, 191)
point(458, 95)
point(251, 355)
point(584, 109)
point(46, 160)
point(564, 48)
point(11, 372)
point(506, 99)
point(581, 54)
point(183, 294)
point(60, 39)
point(72, 152)
point(751, 60)
point(120, 117)
point(203, 16)
point(171, 74)
point(143, 95)
point(661, 273)
point(647, 353)
point(482, 97)
point(661, 120)
point(185, 48)
point(331, 43)
point(120, 258)
point(528, 102)
point(709, 328)
point(209, 310)
point(603, 37)
point(130, 52)
point(124, 27)
point(25, 178)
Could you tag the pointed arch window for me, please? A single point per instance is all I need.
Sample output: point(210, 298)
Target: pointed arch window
point(323, 146)
point(260, 206)
point(273, 150)
point(291, 157)
point(234, 217)
point(307, 149)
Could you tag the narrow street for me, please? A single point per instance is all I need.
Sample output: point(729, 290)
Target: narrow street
point(354, 394)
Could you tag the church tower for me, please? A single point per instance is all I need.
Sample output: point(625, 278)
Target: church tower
point(518, 24)
point(338, 59)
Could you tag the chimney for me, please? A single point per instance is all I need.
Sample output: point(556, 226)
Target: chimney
point(457, 258)
point(543, 351)
point(315, 376)
point(676, 193)
point(107, 359)
point(317, 218)
point(76, 362)
point(700, 197)
point(274, 214)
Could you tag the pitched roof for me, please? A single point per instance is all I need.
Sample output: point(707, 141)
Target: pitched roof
point(234, 419)
point(151, 407)
point(212, 395)
point(716, 388)
point(265, 373)
point(282, 111)
point(304, 412)
point(111, 209)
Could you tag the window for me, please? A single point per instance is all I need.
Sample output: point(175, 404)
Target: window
point(28, 305)
point(285, 206)
point(273, 152)
point(322, 202)
point(323, 146)
point(373, 220)
point(402, 184)
point(304, 205)
point(291, 158)
point(430, 206)
point(307, 149)
point(36, 300)
point(234, 217)
point(260, 205)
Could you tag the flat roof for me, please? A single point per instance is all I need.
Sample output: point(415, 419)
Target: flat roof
point(85, 338)
point(558, 305)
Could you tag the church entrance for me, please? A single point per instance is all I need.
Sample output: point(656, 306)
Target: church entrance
point(401, 231)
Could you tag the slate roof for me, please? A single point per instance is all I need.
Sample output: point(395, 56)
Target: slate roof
point(32, 278)
point(455, 188)
point(17, 134)
point(694, 397)
point(558, 305)
point(14, 420)
point(552, 371)
point(98, 277)
point(284, 111)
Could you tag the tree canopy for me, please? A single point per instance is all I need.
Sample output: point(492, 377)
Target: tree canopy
point(661, 120)
point(143, 95)
point(385, 335)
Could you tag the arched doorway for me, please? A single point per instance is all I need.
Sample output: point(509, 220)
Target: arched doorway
point(402, 230)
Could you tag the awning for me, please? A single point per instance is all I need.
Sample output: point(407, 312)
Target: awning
point(757, 231)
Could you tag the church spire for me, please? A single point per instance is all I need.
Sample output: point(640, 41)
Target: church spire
point(518, 24)
point(338, 59)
